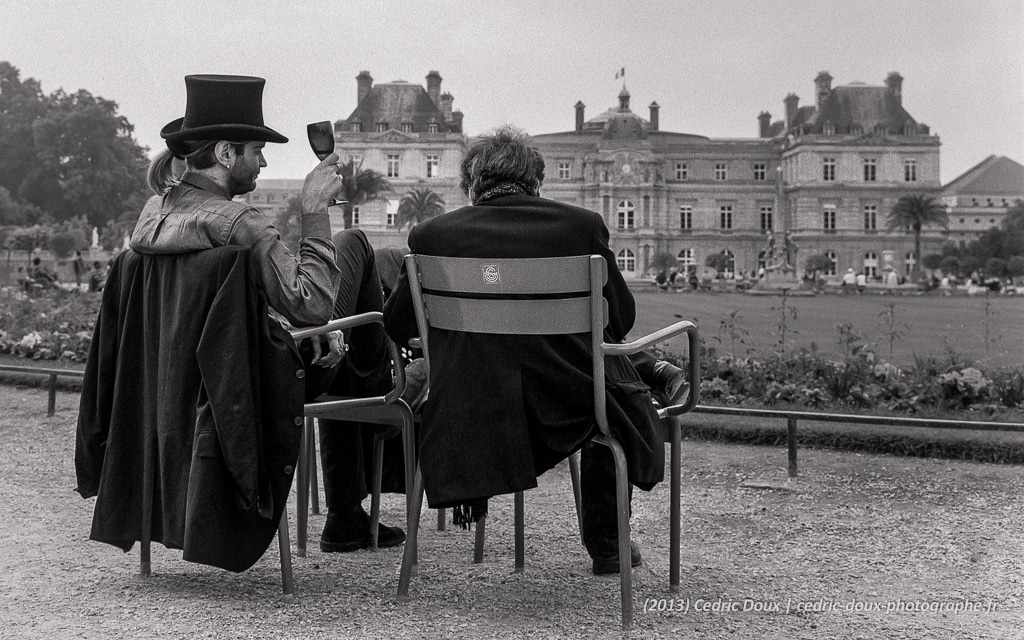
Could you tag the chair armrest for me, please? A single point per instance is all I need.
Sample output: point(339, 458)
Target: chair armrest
point(340, 324)
point(651, 339)
point(354, 321)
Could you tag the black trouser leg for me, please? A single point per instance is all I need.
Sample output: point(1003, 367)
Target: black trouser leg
point(600, 518)
point(366, 370)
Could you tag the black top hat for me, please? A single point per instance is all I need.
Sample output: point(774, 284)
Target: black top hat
point(222, 108)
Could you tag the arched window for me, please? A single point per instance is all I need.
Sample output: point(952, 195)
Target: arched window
point(871, 264)
point(730, 266)
point(833, 266)
point(909, 262)
point(627, 215)
point(686, 261)
point(626, 261)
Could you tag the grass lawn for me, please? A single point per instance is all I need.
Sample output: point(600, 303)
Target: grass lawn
point(928, 323)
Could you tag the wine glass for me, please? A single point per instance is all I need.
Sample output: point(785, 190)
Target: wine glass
point(321, 140)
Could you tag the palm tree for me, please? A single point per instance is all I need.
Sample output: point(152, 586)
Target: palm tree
point(914, 212)
point(418, 205)
point(361, 186)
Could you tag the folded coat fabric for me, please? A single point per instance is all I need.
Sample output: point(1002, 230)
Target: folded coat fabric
point(191, 409)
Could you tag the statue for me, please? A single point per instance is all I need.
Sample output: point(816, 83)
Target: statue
point(790, 249)
point(769, 252)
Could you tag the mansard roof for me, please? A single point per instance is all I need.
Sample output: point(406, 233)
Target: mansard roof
point(398, 102)
point(993, 176)
point(857, 105)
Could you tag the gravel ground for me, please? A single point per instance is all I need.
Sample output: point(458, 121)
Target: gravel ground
point(855, 531)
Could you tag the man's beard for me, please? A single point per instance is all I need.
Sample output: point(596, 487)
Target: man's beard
point(241, 179)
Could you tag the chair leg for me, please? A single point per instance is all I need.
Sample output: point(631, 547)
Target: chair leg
point(520, 553)
point(314, 484)
point(287, 580)
point(302, 491)
point(409, 458)
point(441, 519)
point(574, 475)
point(622, 504)
point(378, 466)
point(675, 481)
point(481, 534)
point(409, 554)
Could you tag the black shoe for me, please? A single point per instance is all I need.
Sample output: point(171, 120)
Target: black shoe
point(671, 386)
point(350, 531)
point(608, 564)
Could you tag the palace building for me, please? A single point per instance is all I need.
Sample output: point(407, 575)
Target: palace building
point(828, 173)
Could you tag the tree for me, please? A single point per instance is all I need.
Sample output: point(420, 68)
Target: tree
point(418, 205)
point(950, 265)
point(968, 265)
point(995, 267)
point(931, 261)
point(289, 224)
point(915, 212)
point(820, 262)
point(1015, 266)
point(361, 186)
point(14, 212)
point(68, 154)
point(1004, 241)
point(663, 262)
point(718, 261)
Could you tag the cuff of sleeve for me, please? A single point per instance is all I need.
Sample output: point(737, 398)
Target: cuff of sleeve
point(316, 225)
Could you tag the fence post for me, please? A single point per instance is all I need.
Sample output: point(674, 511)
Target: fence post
point(51, 405)
point(791, 441)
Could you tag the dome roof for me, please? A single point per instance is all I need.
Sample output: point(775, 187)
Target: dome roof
point(624, 125)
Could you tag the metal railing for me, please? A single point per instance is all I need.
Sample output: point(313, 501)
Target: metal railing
point(51, 404)
point(792, 416)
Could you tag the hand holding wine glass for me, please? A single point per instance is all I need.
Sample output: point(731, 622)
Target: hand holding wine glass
point(321, 140)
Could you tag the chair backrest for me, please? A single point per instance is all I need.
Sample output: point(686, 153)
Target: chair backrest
point(518, 296)
point(538, 296)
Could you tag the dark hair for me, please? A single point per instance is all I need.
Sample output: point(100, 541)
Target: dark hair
point(503, 156)
point(198, 154)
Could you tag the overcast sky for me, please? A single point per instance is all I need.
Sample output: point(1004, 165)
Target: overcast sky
point(711, 65)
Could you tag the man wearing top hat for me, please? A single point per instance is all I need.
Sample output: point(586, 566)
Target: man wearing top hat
point(220, 140)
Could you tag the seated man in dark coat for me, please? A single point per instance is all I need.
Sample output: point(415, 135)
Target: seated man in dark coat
point(504, 409)
point(214, 154)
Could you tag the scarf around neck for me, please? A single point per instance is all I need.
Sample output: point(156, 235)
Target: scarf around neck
point(505, 189)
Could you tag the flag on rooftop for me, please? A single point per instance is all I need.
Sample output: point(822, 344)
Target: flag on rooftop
point(621, 73)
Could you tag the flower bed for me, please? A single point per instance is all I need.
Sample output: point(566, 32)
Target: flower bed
point(860, 380)
point(52, 325)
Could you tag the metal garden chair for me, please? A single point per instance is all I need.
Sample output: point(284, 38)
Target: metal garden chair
point(388, 409)
point(544, 296)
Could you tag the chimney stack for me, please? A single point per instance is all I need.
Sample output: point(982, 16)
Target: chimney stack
point(654, 115)
point(364, 82)
point(579, 115)
point(764, 119)
point(791, 101)
point(434, 87)
point(894, 83)
point(823, 86)
point(457, 119)
point(446, 106)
